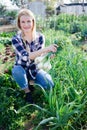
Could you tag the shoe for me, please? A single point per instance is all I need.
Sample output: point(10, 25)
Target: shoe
point(29, 98)
point(31, 88)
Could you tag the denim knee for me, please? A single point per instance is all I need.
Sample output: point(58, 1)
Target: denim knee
point(44, 80)
point(19, 76)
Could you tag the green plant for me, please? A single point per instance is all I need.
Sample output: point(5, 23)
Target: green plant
point(67, 102)
point(74, 27)
point(3, 9)
point(5, 38)
point(64, 106)
point(84, 33)
point(49, 10)
point(12, 14)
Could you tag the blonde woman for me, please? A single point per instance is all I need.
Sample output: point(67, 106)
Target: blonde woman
point(29, 44)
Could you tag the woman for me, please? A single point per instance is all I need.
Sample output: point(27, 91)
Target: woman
point(29, 44)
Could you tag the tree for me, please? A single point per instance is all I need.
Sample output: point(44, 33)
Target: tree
point(20, 3)
point(2, 9)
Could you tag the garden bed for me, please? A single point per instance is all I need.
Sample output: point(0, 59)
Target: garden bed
point(7, 28)
point(64, 106)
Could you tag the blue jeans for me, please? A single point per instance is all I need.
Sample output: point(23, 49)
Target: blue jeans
point(43, 79)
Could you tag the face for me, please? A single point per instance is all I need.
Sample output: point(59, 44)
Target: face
point(26, 23)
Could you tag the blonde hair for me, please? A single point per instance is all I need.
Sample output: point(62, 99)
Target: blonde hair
point(31, 15)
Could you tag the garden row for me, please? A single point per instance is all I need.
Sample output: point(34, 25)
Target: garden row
point(64, 107)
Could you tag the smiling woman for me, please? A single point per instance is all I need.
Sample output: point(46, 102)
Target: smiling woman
point(28, 45)
point(26, 23)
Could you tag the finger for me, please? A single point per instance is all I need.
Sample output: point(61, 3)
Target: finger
point(56, 45)
point(52, 55)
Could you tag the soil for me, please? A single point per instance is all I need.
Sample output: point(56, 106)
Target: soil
point(7, 28)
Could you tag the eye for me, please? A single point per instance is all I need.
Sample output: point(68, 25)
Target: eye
point(29, 21)
point(22, 21)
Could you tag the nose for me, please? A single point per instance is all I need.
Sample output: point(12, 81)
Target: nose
point(26, 24)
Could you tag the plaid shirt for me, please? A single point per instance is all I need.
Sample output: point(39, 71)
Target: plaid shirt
point(22, 56)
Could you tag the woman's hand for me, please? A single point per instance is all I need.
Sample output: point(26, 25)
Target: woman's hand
point(52, 48)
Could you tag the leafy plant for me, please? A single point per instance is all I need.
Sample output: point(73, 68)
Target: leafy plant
point(64, 106)
point(74, 27)
point(84, 33)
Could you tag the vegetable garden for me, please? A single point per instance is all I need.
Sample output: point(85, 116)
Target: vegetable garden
point(65, 106)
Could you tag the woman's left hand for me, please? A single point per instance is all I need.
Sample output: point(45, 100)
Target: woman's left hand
point(52, 48)
point(52, 56)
